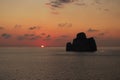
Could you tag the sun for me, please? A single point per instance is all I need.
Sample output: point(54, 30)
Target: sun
point(42, 46)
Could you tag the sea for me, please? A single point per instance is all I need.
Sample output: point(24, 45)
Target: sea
point(54, 63)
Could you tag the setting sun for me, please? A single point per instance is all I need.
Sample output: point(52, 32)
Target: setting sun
point(42, 46)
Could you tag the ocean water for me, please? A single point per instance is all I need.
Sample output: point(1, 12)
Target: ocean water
point(54, 63)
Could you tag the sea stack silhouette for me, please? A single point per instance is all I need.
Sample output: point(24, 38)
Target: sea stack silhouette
point(82, 44)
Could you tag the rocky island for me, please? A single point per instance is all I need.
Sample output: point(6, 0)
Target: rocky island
point(82, 44)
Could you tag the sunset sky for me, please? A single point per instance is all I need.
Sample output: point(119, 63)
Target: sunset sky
point(55, 22)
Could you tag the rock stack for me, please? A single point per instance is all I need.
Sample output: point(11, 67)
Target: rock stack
point(82, 44)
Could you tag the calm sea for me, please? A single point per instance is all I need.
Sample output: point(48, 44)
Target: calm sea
point(54, 63)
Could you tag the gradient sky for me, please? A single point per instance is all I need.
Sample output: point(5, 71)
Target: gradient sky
point(55, 22)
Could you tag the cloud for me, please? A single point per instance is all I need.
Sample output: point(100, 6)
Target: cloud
point(100, 4)
point(6, 35)
point(48, 37)
point(54, 4)
point(34, 28)
point(65, 25)
point(59, 3)
point(29, 37)
point(35, 38)
point(62, 24)
point(17, 26)
point(92, 30)
point(81, 3)
point(1, 28)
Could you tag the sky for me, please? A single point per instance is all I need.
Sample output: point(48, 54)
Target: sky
point(55, 22)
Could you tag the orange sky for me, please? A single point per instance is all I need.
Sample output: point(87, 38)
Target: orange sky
point(55, 22)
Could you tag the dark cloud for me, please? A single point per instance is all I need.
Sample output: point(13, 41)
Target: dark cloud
point(92, 30)
point(29, 37)
point(62, 24)
point(65, 25)
point(6, 35)
point(66, 1)
point(17, 26)
point(100, 4)
point(34, 28)
point(48, 37)
point(1, 28)
point(59, 3)
point(54, 5)
point(35, 38)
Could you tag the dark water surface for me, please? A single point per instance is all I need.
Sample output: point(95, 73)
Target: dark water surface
point(34, 63)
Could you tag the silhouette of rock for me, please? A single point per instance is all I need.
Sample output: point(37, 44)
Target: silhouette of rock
point(69, 46)
point(82, 44)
